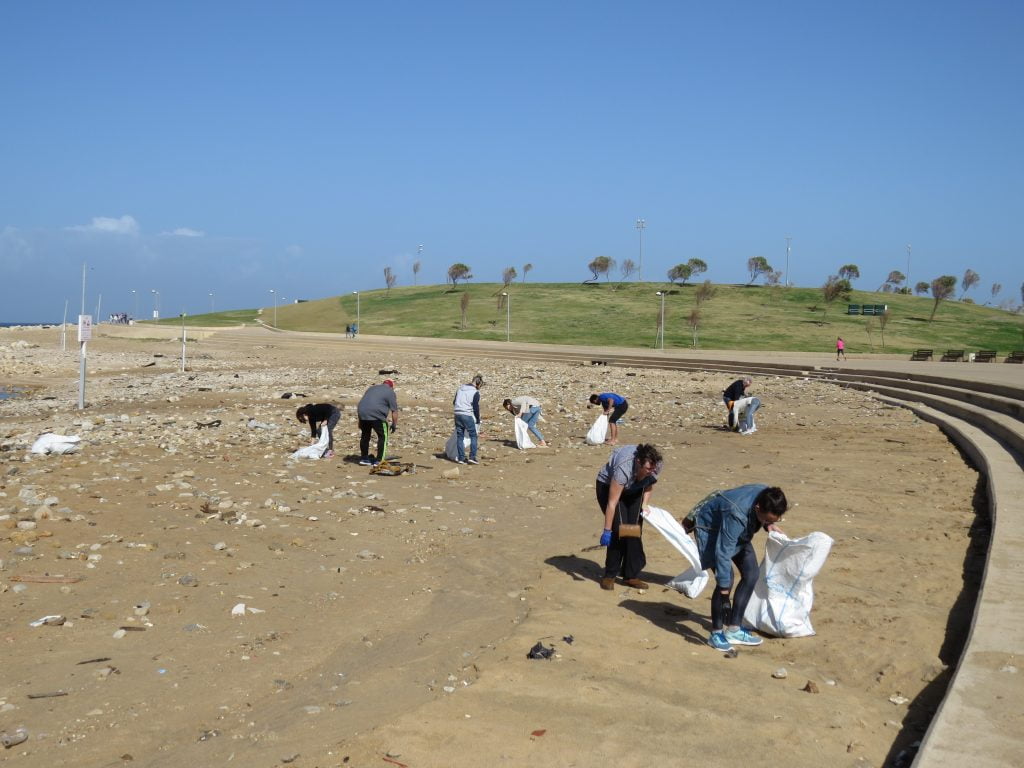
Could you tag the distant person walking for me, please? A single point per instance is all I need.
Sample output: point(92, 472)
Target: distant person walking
point(840, 348)
point(527, 409)
point(467, 419)
point(724, 525)
point(318, 417)
point(741, 407)
point(613, 406)
point(624, 487)
point(378, 405)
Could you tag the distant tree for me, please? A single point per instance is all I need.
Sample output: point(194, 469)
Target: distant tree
point(694, 323)
point(996, 288)
point(507, 276)
point(833, 288)
point(389, 279)
point(942, 288)
point(886, 288)
point(895, 277)
point(628, 268)
point(697, 267)
point(970, 280)
point(415, 271)
point(773, 277)
point(526, 268)
point(1022, 293)
point(458, 271)
point(601, 265)
point(464, 306)
point(757, 266)
point(922, 288)
point(849, 272)
point(680, 272)
point(705, 292)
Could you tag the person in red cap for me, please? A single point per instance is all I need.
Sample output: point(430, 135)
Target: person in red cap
point(378, 406)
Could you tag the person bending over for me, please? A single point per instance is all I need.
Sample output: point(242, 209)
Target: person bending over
point(318, 416)
point(613, 406)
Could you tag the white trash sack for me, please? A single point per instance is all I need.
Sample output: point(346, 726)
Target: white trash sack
point(317, 449)
point(57, 444)
point(739, 409)
point(692, 581)
point(523, 440)
point(781, 604)
point(451, 448)
point(598, 432)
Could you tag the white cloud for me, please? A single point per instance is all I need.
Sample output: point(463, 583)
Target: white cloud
point(126, 225)
point(184, 232)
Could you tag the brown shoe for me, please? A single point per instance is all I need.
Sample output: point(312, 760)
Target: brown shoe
point(637, 584)
point(608, 583)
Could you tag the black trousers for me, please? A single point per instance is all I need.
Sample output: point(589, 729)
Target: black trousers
point(746, 562)
point(380, 427)
point(625, 557)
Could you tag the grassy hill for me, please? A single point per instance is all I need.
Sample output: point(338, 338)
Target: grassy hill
point(737, 317)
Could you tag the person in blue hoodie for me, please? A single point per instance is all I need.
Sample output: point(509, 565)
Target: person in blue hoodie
point(724, 524)
point(614, 407)
point(467, 418)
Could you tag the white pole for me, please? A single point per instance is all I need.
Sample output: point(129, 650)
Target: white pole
point(640, 224)
point(182, 342)
point(82, 339)
point(64, 329)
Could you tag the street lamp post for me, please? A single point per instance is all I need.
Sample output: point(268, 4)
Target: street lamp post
point(908, 268)
point(661, 324)
point(211, 304)
point(641, 225)
point(135, 301)
point(508, 316)
point(274, 294)
point(156, 303)
point(356, 333)
point(789, 238)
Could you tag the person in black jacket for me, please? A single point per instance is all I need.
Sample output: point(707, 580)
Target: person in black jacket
point(318, 416)
point(735, 391)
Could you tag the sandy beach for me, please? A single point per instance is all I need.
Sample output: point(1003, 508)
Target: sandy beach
point(387, 620)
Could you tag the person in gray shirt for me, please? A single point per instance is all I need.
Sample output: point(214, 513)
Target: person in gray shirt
point(378, 406)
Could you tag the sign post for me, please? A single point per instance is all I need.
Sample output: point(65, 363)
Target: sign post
point(84, 334)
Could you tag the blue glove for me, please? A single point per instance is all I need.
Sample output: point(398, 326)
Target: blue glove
point(606, 538)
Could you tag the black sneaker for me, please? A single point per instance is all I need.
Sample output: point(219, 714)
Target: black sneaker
point(365, 461)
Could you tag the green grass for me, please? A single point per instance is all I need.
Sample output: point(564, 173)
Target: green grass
point(738, 317)
point(212, 319)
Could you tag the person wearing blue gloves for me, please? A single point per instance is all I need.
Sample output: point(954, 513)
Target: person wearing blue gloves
point(724, 524)
point(624, 487)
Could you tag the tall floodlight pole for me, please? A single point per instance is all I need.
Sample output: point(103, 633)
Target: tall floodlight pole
point(354, 335)
point(661, 325)
point(211, 304)
point(64, 329)
point(508, 317)
point(99, 303)
point(789, 238)
point(274, 294)
point(84, 334)
point(908, 268)
point(182, 342)
point(135, 301)
point(156, 303)
point(640, 225)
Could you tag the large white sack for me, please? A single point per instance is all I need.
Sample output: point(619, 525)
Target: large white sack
point(51, 443)
point(783, 596)
point(738, 410)
point(317, 449)
point(692, 581)
point(451, 448)
point(599, 431)
point(523, 440)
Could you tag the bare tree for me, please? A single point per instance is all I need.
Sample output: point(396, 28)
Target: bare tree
point(869, 324)
point(601, 265)
point(996, 288)
point(970, 280)
point(942, 288)
point(849, 272)
point(771, 279)
point(389, 279)
point(757, 266)
point(464, 306)
point(628, 268)
point(833, 288)
point(694, 322)
point(679, 272)
point(922, 287)
point(507, 276)
point(458, 271)
point(883, 320)
point(415, 271)
point(705, 292)
point(526, 268)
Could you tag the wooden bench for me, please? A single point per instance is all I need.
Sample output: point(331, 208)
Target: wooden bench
point(985, 356)
point(921, 354)
point(1017, 356)
point(953, 356)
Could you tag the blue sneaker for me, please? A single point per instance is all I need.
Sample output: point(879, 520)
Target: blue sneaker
point(742, 637)
point(719, 642)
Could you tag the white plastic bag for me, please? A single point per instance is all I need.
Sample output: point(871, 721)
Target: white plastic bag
point(51, 443)
point(317, 449)
point(781, 604)
point(451, 448)
point(739, 409)
point(692, 581)
point(523, 440)
point(599, 431)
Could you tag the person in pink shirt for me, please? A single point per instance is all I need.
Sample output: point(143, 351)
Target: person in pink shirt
point(840, 348)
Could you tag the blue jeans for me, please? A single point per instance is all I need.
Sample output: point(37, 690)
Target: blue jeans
point(530, 417)
point(465, 423)
point(748, 414)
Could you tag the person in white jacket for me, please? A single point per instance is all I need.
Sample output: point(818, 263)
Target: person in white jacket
point(467, 418)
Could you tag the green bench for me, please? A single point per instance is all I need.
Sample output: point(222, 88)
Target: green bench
point(921, 354)
point(953, 356)
point(866, 309)
point(985, 356)
point(1017, 356)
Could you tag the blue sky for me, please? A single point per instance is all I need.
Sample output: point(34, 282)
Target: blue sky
point(233, 148)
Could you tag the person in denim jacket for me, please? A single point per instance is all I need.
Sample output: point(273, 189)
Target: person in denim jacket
point(724, 524)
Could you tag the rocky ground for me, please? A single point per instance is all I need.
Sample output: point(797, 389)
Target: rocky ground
point(215, 601)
